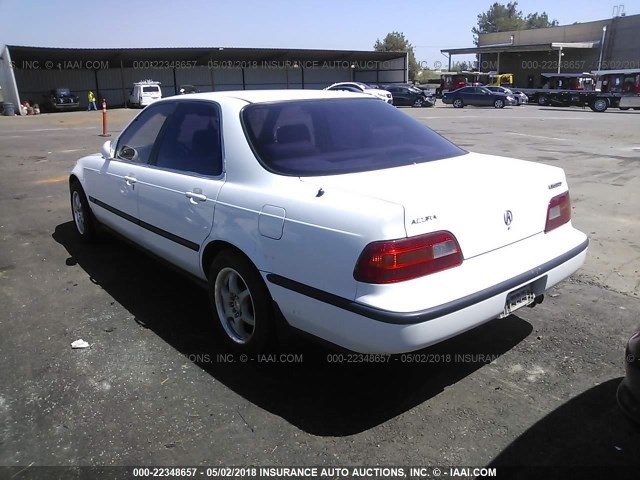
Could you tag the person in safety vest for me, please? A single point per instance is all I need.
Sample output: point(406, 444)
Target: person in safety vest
point(92, 101)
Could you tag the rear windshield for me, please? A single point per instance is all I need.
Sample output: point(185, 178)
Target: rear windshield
point(330, 137)
point(152, 89)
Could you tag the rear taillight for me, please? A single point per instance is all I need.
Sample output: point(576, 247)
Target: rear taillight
point(407, 258)
point(558, 212)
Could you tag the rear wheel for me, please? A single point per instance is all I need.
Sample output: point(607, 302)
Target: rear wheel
point(599, 105)
point(624, 108)
point(241, 303)
point(499, 103)
point(82, 216)
point(543, 100)
point(457, 103)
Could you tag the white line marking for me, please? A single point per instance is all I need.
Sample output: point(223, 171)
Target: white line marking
point(537, 136)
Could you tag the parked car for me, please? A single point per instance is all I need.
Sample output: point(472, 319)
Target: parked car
point(60, 99)
point(312, 206)
point(521, 98)
point(358, 87)
point(477, 96)
point(629, 389)
point(409, 96)
point(144, 93)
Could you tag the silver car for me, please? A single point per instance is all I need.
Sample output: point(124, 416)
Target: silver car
point(520, 97)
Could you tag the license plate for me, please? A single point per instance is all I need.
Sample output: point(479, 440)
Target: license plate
point(517, 299)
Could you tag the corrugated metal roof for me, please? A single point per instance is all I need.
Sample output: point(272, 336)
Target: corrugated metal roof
point(201, 55)
point(537, 47)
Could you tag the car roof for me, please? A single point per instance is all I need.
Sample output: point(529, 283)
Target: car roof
point(263, 96)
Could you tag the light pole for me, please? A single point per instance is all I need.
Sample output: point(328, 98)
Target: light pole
point(604, 31)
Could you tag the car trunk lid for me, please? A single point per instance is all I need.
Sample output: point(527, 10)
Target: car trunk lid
point(487, 202)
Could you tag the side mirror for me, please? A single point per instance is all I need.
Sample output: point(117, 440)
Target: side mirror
point(106, 150)
point(128, 153)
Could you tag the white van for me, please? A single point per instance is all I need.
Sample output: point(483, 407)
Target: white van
point(144, 93)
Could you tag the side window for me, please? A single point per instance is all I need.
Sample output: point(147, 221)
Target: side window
point(192, 140)
point(136, 142)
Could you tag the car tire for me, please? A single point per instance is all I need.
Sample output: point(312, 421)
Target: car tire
point(499, 103)
point(457, 103)
point(241, 303)
point(83, 218)
point(624, 108)
point(599, 105)
point(418, 103)
point(543, 100)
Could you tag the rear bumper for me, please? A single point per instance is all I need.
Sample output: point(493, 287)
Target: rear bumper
point(367, 328)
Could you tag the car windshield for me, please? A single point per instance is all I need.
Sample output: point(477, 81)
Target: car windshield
point(338, 136)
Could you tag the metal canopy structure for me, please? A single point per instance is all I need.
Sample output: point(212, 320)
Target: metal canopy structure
point(28, 72)
point(512, 48)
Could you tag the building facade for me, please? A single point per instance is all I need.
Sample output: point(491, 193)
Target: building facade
point(611, 44)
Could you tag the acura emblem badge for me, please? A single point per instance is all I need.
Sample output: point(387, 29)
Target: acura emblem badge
point(508, 217)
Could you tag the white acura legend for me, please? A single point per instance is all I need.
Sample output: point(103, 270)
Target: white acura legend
point(343, 214)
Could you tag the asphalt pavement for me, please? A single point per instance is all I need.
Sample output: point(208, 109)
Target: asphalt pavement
point(536, 389)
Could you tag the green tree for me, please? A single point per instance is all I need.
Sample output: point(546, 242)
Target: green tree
point(540, 20)
point(396, 42)
point(503, 18)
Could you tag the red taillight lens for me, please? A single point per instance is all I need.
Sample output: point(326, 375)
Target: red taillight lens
point(407, 258)
point(558, 212)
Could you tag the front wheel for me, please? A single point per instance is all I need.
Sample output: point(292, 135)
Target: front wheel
point(418, 103)
point(82, 216)
point(241, 303)
point(499, 103)
point(543, 100)
point(457, 103)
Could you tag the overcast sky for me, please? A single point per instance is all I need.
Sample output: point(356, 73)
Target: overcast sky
point(347, 24)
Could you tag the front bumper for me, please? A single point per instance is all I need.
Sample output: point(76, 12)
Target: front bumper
point(629, 390)
point(429, 102)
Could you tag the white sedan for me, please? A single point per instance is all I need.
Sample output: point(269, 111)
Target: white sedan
point(359, 87)
point(343, 214)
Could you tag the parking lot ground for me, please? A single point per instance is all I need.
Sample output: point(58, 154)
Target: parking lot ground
point(155, 388)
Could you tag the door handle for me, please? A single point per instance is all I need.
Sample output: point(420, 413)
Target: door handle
point(193, 196)
point(130, 180)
